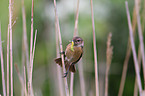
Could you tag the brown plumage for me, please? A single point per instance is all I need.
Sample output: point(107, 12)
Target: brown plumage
point(72, 55)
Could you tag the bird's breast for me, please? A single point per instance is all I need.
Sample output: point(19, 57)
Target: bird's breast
point(73, 56)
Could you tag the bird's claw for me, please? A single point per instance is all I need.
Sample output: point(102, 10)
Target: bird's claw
point(65, 74)
point(62, 52)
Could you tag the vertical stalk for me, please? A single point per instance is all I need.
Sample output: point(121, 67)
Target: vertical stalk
point(76, 20)
point(2, 65)
point(61, 48)
point(11, 52)
point(95, 51)
point(30, 90)
point(82, 81)
point(25, 81)
point(133, 49)
point(140, 37)
point(71, 84)
point(25, 36)
point(21, 80)
point(8, 54)
point(109, 53)
point(128, 53)
point(60, 82)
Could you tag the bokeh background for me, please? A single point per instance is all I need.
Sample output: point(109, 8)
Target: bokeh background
point(110, 16)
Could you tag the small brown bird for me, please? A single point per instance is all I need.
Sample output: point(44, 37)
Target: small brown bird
point(73, 54)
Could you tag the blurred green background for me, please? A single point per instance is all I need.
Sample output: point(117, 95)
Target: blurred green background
point(110, 16)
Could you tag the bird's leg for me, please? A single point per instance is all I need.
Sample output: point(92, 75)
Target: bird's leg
point(62, 53)
point(65, 74)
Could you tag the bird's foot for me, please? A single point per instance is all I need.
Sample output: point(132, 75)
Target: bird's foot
point(62, 52)
point(65, 74)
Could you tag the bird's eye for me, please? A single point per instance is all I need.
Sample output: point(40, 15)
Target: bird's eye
point(78, 40)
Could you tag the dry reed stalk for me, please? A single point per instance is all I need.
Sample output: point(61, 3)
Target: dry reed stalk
point(71, 84)
point(124, 72)
point(23, 63)
point(31, 70)
point(25, 36)
point(109, 54)
point(11, 52)
point(82, 81)
point(25, 44)
point(128, 53)
point(2, 65)
point(60, 82)
point(133, 48)
point(140, 36)
point(95, 51)
point(30, 89)
point(75, 34)
point(21, 79)
point(61, 48)
point(139, 62)
point(76, 20)
point(143, 16)
point(25, 79)
point(139, 53)
point(8, 54)
point(82, 84)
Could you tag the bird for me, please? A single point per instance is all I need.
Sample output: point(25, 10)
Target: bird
point(72, 55)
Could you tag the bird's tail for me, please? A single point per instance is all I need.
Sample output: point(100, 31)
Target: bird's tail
point(58, 61)
point(67, 64)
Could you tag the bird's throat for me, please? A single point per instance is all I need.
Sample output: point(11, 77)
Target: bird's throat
point(72, 46)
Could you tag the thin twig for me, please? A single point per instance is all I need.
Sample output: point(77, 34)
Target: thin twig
point(128, 53)
point(133, 48)
point(61, 48)
point(140, 37)
point(21, 79)
point(2, 65)
point(11, 52)
point(8, 53)
point(95, 51)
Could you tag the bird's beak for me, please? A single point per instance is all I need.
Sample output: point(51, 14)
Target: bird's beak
point(72, 45)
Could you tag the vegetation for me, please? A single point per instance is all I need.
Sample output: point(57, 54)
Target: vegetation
point(31, 34)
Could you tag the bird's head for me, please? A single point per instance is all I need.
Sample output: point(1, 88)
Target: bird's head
point(78, 42)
